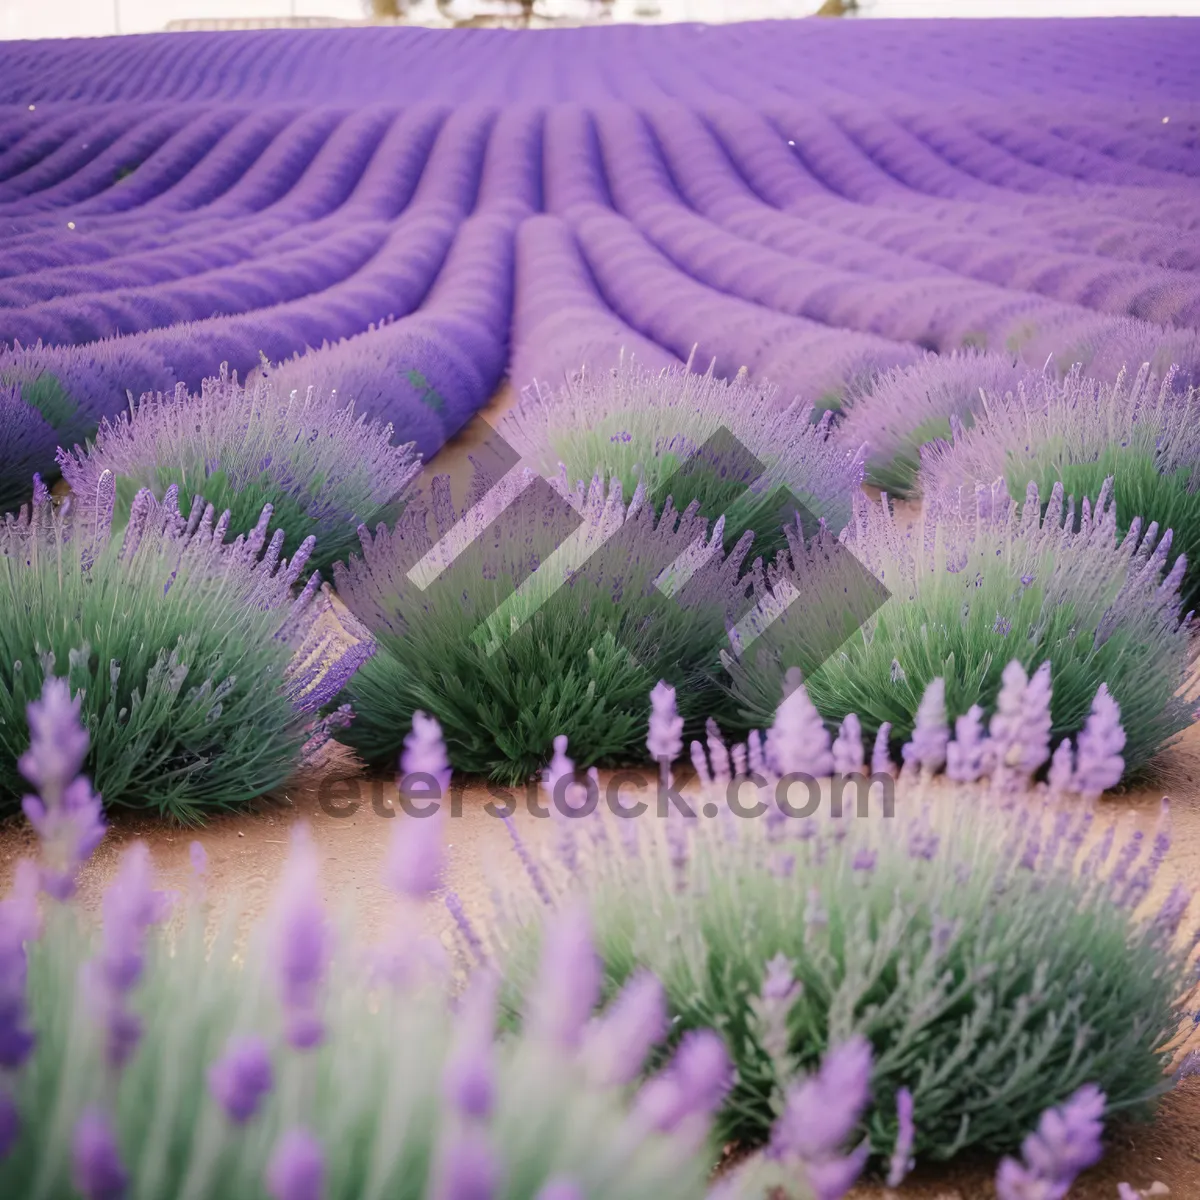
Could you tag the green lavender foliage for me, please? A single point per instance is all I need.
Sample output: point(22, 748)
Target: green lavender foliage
point(990, 983)
point(1142, 432)
point(181, 646)
point(372, 1093)
point(976, 582)
point(550, 619)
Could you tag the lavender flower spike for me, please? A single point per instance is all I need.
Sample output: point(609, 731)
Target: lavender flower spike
point(820, 1114)
point(1067, 1141)
point(569, 978)
point(798, 740)
point(692, 1086)
point(1098, 762)
point(616, 1045)
point(19, 925)
point(301, 942)
point(665, 739)
point(296, 1170)
point(241, 1077)
point(901, 1161)
point(416, 853)
point(66, 814)
point(468, 1079)
point(930, 733)
point(966, 756)
point(881, 760)
point(1019, 732)
point(96, 1168)
point(848, 747)
point(131, 906)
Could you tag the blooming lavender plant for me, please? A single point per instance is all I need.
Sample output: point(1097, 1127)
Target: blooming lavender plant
point(528, 615)
point(902, 410)
point(889, 930)
point(410, 1092)
point(732, 445)
point(1096, 607)
point(196, 670)
point(56, 395)
point(323, 468)
point(1140, 431)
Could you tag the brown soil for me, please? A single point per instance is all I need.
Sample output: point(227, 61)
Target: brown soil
point(246, 851)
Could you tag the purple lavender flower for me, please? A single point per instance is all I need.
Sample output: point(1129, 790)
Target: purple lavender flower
point(848, 746)
point(416, 855)
point(665, 740)
point(1171, 913)
point(569, 978)
point(901, 1161)
point(693, 1084)
point(96, 1168)
point(1098, 762)
point(1019, 731)
point(561, 1189)
point(822, 1110)
point(1067, 1141)
point(131, 905)
point(301, 942)
point(798, 740)
point(66, 814)
point(470, 1171)
point(820, 1113)
point(241, 1077)
point(19, 925)
point(966, 756)
point(864, 860)
point(881, 759)
point(10, 1123)
point(930, 732)
point(617, 1043)
point(469, 1076)
point(474, 943)
point(425, 752)
point(296, 1170)
point(1061, 776)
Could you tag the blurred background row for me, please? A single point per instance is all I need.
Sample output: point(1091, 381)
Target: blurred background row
point(102, 18)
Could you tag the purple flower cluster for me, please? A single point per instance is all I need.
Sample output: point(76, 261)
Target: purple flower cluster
point(1066, 1142)
point(66, 814)
point(819, 1116)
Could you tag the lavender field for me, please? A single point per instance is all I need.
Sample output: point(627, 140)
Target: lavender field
point(462, 426)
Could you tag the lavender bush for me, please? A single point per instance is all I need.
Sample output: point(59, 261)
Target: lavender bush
point(198, 672)
point(991, 947)
point(730, 445)
point(51, 395)
point(1140, 431)
point(323, 469)
point(144, 1057)
point(977, 581)
point(909, 406)
point(531, 613)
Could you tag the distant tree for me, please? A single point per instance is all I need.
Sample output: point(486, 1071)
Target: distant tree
point(837, 8)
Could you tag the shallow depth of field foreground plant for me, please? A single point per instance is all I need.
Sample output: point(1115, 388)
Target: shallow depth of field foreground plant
point(978, 581)
point(198, 670)
point(143, 1059)
point(558, 615)
point(993, 951)
point(323, 470)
